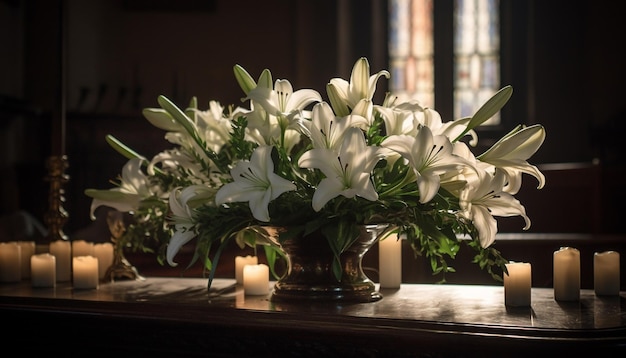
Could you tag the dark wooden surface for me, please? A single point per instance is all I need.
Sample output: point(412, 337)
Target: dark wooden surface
point(180, 317)
point(534, 248)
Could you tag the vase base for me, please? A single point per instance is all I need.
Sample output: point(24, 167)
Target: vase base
point(325, 295)
point(316, 274)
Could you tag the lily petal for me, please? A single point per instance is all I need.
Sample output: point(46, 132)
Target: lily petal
point(511, 152)
point(347, 171)
point(178, 240)
point(255, 182)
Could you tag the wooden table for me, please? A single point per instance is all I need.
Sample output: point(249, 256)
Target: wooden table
point(180, 317)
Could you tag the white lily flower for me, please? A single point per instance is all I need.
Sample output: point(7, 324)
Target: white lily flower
point(134, 187)
point(176, 162)
point(511, 152)
point(181, 203)
point(365, 109)
point(266, 125)
point(213, 127)
point(398, 121)
point(345, 96)
point(432, 119)
point(255, 182)
point(326, 130)
point(484, 198)
point(265, 129)
point(429, 156)
point(347, 171)
point(282, 101)
point(188, 145)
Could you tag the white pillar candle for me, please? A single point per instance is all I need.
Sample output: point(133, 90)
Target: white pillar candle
point(256, 279)
point(104, 253)
point(390, 262)
point(10, 262)
point(85, 272)
point(43, 270)
point(82, 248)
point(62, 251)
point(27, 249)
point(240, 262)
point(566, 274)
point(606, 280)
point(517, 284)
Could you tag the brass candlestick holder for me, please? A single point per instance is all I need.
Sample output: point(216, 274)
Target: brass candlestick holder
point(56, 216)
point(121, 268)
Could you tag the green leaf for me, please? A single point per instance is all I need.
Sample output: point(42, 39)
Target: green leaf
point(271, 256)
point(216, 259)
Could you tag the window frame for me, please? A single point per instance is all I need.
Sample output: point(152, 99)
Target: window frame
point(364, 29)
point(515, 66)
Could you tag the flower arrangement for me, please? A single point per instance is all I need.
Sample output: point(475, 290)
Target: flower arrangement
point(294, 160)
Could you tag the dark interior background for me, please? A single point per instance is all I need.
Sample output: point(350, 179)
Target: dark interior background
point(564, 60)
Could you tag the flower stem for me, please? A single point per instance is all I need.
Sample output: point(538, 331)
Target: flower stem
point(408, 178)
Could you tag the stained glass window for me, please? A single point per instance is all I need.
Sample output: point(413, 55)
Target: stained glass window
point(476, 42)
point(476, 55)
point(411, 50)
